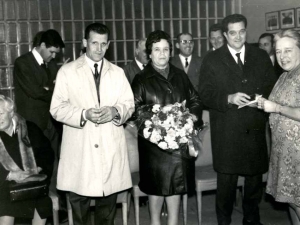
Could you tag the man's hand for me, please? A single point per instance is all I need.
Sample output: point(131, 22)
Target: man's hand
point(238, 98)
point(107, 114)
point(103, 115)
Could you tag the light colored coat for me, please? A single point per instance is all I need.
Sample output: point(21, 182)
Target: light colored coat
point(93, 160)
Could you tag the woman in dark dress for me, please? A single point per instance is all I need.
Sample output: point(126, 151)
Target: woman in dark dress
point(12, 133)
point(164, 175)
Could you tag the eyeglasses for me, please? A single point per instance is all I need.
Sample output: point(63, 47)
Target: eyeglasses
point(186, 42)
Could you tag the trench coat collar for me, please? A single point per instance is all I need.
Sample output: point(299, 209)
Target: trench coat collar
point(83, 68)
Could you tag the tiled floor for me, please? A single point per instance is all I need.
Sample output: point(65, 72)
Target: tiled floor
point(272, 213)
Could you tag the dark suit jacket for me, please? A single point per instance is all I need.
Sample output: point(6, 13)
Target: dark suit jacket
point(131, 70)
point(194, 68)
point(32, 100)
point(237, 135)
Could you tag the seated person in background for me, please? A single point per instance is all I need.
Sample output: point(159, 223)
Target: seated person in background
point(139, 62)
point(186, 60)
point(14, 139)
point(266, 42)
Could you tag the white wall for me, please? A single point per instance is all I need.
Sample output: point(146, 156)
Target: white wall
point(255, 10)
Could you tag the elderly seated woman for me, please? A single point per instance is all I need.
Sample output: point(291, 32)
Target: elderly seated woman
point(19, 136)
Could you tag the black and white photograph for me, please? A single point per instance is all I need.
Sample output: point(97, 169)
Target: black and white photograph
point(287, 18)
point(272, 21)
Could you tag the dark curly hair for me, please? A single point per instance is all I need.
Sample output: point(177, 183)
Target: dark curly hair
point(155, 37)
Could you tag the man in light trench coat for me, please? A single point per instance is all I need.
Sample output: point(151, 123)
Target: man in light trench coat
point(93, 98)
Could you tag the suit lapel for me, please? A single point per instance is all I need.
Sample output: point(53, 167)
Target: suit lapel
point(193, 64)
point(229, 61)
point(177, 62)
point(42, 75)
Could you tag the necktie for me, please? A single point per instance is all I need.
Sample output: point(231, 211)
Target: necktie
point(240, 64)
point(186, 62)
point(96, 71)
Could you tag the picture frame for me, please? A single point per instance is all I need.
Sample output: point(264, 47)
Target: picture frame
point(297, 18)
point(272, 21)
point(287, 18)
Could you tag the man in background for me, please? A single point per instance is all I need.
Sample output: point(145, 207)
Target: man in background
point(229, 77)
point(139, 62)
point(186, 60)
point(216, 37)
point(266, 42)
point(34, 76)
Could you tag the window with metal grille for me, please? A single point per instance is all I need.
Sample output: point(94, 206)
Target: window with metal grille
point(128, 21)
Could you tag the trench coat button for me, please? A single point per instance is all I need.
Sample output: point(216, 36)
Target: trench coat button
point(247, 131)
point(244, 81)
point(96, 146)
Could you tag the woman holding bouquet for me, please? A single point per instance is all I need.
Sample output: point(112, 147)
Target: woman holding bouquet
point(164, 175)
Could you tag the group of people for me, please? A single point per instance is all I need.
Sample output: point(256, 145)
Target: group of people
point(93, 98)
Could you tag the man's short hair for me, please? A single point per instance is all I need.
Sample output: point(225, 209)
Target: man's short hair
point(98, 28)
point(267, 35)
point(137, 44)
point(215, 27)
point(51, 38)
point(8, 103)
point(180, 34)
point(234, 18)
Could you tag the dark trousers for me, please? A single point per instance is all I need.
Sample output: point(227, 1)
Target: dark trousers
point(105, 209)
point(226, 193)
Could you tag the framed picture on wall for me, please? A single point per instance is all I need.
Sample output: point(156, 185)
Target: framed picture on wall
point(272, 21)
point(297, 18)
point(287, 18)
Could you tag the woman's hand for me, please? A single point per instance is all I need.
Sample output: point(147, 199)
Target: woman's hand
point(18, 176)
point(266, 105)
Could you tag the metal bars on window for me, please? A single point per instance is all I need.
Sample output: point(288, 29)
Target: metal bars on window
point(128, 21)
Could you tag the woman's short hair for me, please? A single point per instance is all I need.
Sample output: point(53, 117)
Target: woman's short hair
point(157, 36)
point(8, 103)
point(290, 34)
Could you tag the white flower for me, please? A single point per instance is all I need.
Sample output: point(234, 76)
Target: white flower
point(167, 108)
point(148, 123)
point(156, 108)
point(183, 140)
point(182, 132)
point(146, 133)
point(173, 145)
point(163, 145)
point(171, 133)
point(155, 137)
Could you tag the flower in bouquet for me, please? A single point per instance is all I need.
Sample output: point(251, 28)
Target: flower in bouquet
point(169, 126)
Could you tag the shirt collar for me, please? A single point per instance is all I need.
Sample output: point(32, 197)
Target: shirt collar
point(140, 65)
point(233, 52)
point(91, 63)
point(37, 56)
point(272, 57)
point(182, 58)
point(11, 130)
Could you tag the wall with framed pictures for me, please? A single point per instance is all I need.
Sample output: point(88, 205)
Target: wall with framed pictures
point(270, 16)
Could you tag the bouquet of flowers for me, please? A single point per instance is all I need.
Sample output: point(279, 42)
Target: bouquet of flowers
point(169, 127)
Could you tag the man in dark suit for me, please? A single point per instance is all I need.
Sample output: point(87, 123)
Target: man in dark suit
point(139, 62)
point(266, 42)
point(186, 60)
point(229, 76)
point(34, 78)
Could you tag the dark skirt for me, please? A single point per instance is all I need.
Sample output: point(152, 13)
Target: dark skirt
point(165, 173)
point(24, 209)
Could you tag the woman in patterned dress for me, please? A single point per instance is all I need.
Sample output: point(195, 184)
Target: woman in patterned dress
point(284, 108)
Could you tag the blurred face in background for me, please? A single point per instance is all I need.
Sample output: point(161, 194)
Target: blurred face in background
point(216, 39)
point(287, 53)
point(236, 35)
point(185, 45)
point(5, 117)
point(160, 54)
point(140, 53)
point(266, 44)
